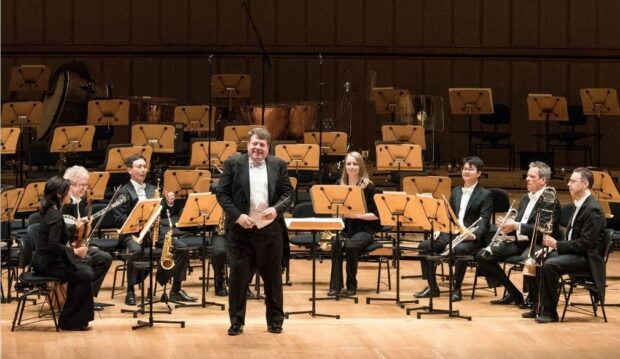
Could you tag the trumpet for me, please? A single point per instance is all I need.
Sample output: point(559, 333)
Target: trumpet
point(461, 237)
point(500, 236)
point(542, 226)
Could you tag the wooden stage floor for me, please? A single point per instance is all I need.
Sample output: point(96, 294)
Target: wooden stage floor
point(377, 330)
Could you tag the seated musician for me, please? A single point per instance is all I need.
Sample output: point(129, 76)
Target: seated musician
point(470, 202)
point(136, 189)
point(519, 232)
point(581, 251)
point(52, 257)
point(359, 228)
point(99, 260)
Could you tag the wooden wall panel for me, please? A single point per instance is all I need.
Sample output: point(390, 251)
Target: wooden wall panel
point(199, 81)
point(29, 20)
point(174, 78)
point(145, 77)
point(582, 23)
point(317, 74)
point(264, 14)
point(467, 23)
point(525, 21)
point(437, 80)
point(379, 27)
point(609, 76)
point(235, 28)
point(58, 28)
point(236, 65)
point(321, 20)
point(291, 22)
point(116, 25)
point(145, 22)
point(117, 71)
point(94, 67)
point(525, 80)
point(7, 17)
point(290, 85)
point(466, 73)
point(554, 78)
point(174, 22)
point(496, 74)
point(409, 23)
point(254, 68)
point(203, 22)
point(609, 30)
point(553, 23)
point(355, 70)
point(580, 75)
point(349, 23)
point(87, 24)
point(409, 74)
point(496, 23)
point(7, 65)
point(438, 25)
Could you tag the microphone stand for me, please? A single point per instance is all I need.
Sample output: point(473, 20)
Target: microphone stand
point(210, 58)
point(320, 117)
point(264, 56)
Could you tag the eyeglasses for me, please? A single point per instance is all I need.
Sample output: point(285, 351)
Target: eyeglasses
point(80, 184)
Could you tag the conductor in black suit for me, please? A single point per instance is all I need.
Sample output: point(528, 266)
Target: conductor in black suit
point(581, 251)
point(254, 191)
point(137, 189)
point(519, 232)
point(469, 202)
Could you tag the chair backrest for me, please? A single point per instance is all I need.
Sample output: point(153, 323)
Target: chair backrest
point(501, 201)
point(566, 214)
point(575, 117)
point(607, 243)
point(34, 218)
point(28, 246)
point(108, 220)
point(500, 116)
point(303, 210)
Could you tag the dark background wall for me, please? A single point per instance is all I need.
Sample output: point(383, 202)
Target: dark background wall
point(160, 48)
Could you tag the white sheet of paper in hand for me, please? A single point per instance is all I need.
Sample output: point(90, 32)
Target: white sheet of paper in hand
point(257, 217)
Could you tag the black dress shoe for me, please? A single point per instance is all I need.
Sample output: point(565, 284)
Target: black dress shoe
point(457, 295)
point(97, 307)
point(130, 298)
point(181, 296)
point(530, 314)
point(333, 292)
point(275, 329)
point(527, 304)
point(509, 299)
point(428, 292)
point(249, 294)
point(351, 292)
point(222, 292)
point(548, 317)
point(235, 329)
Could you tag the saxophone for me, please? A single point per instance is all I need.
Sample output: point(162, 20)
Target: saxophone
point(221, 225)
point(167, 259)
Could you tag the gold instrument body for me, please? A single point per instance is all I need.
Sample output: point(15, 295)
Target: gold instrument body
point(167, 258)
point(461, 237)
point(500, 237)
point(541, 228)
point(325, 243)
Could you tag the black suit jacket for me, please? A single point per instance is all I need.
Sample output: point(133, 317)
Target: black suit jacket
point(51, 247)
point(480, 205)
point(528, 228)
point(587, 239)
point(233, 191)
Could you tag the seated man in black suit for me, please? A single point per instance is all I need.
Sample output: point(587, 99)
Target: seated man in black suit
point(136, 189)
point(469, 202)
point(581, 251)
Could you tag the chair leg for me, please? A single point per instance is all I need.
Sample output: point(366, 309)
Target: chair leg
point(473, 290)
point(208, 264)
point(389, 275)
point(570, 291)
point(53, 311)
point(19, 310)
point(379, 274)
point(603, 311)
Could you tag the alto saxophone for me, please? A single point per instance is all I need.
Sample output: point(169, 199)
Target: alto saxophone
point(167, 259)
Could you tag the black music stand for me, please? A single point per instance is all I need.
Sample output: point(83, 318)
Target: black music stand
point(313, 225)
point(396, 209)
point(441, 217)
point(599, 102)
point(545, 107)
point(470, 102)
point(26, 116)
point(141, 219)
point(337, 200)
point(201, 210)
point(9, 202)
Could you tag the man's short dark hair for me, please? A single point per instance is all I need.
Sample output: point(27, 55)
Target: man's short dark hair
point(586, 175)
point(133, 158)
point(544, 171)
point(261, 133)
point(474, 161)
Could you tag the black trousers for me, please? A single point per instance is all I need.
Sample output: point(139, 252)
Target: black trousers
point(553, 268)
point(262, 247)
point(353, 246)
point(218, 260)
point(489, 265)
point(100, 261)
point(439, 246)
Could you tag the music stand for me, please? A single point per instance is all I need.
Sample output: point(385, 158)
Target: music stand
point(599, 102)
point(195, 118)
point(219, 152)
point(404, 133)
point(112, 112)
point(231, 86)
point(239, 134)
point(9, 202)
point(332, 143)
point(441, 217)
point(386, 100)
point(158, 136)
point(201, 210)
point(604, 188)
point(140, 220)
point(10, 137)
point(396, 209)
point(545, 107)
point(437, 186)
point(116, 155)
point(29, 79)
point(31, 199)
point(313, 225)
point(299, 156)
point(26, 116)
point(470, 102)
point(399, 157)
point(183, 182)
point(97, 182)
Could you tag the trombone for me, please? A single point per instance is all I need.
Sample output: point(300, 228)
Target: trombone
point(461, 237)
point(542, 226)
